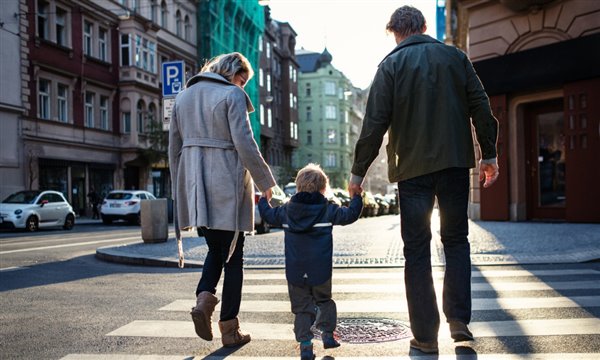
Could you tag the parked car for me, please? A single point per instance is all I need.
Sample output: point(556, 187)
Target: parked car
point(392, 199)
point(279, 198)
point(343, 195)
point(384, 206)
point(123, 205)
point(290, 189)
point(35, 209)
point(370, 207)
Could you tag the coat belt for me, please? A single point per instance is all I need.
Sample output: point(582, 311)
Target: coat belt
point(208, 142)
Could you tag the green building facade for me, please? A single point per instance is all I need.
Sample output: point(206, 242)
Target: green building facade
point(226, 26)
point(324, 106)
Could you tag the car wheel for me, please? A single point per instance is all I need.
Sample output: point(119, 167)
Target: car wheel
point(106, 220)
point(69, 222)
point(136, 219)
point(32, 223)
point(263, 228)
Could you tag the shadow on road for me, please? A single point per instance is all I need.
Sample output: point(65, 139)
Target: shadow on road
point(78, 268)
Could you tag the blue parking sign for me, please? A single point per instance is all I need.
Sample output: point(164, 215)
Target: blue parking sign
point(172, 78)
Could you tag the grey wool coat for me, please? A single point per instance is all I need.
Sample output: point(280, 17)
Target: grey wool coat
point(213, 157)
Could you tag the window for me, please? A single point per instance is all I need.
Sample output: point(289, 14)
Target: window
point(104, 113)
point(152, 113)
point(291, 100)
point(141, 109)
point(269, 118)
point(145, 54)
point(331, 136)
point(89, 109)
point(296, 131)
point(295, 102)
point(330, 160)
point(307, 89)
point(42, 20)
point(261, 82)
point(262, 114)
point(295, 75)
point(329, 88)
point(61, 22)
point(291, 71)
point(291, 129)
point(44, 99)
point(308, 137)
point(187, 29)
point(268, 50)
point(308, 113)
point(260, 43)
point(102, 55)
point(330, 112)
point(126, 120)
point(62, 103)
point(346, 116)
point(269, 82)
point(125, 50)
point(178, 23)
point(87, 37)
point(163, 14)
point(153, 10)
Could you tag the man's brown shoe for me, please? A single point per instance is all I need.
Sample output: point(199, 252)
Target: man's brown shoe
point(428, 347)
point(460, 331)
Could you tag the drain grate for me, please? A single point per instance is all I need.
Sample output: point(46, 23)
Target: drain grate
point(366, 331)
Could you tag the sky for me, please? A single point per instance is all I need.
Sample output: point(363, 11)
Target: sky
point(353, 30)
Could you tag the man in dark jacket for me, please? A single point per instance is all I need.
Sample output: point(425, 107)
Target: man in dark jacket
point(308, 220)
point(427, 95)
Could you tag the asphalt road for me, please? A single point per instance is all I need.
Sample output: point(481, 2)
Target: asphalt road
point(59, 301)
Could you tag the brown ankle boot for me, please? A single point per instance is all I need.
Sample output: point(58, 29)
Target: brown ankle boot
point(231, 335)
point(202, 314)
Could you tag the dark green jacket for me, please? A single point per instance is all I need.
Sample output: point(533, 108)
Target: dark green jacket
point(425, 94)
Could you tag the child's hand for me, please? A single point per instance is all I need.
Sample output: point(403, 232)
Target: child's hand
point(354, 189)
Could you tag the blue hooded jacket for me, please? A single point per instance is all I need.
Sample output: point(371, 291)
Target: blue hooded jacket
point(307, 220)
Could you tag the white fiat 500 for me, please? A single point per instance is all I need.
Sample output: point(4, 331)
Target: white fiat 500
point(123, 205)
point(34, 209)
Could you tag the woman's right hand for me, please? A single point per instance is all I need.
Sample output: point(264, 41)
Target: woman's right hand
point(268, 194)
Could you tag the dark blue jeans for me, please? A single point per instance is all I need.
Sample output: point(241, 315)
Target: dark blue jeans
point(417, 195)
point(218, 242)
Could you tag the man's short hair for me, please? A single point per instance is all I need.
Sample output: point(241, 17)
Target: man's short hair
point(311, 178)
point(406, 21)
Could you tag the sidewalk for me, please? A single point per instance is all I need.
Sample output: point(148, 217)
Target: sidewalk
point(376, 242)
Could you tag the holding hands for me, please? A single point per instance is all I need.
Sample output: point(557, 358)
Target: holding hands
point(354, 189)
point(268, 194)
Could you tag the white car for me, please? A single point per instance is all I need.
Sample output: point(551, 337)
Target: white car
point(34, 209)
point(123, 205)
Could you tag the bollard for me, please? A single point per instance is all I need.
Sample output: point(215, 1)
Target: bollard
point(155, 227)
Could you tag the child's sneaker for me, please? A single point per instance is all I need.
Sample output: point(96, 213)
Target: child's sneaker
point(329, 342)
point(306, 352)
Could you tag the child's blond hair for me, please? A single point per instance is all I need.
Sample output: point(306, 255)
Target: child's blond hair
point(311, 178)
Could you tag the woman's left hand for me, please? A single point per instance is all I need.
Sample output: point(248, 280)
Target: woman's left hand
point(268, 194)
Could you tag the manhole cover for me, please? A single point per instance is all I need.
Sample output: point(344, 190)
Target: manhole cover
point(365, 331)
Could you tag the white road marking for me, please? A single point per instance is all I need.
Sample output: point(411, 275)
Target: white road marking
point(555, 356)
point(270, 331)
point(69, 245)
point(399, 305)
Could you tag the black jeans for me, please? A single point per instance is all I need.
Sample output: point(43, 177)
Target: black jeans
point(417, 195)
point(218, 242)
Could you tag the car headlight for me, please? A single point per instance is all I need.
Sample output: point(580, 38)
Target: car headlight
point(18, 212)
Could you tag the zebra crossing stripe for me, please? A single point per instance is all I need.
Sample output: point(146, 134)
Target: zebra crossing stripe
point(399, 287)
point(399, 305)
point(271, 331)
point(555, 356)
point(339, 275)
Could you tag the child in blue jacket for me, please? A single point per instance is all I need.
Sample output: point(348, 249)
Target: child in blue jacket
point(307, 220)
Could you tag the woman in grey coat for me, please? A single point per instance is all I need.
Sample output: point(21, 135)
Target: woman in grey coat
point(214, 164)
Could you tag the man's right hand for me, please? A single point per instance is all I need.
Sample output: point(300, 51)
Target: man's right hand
point(489, 173)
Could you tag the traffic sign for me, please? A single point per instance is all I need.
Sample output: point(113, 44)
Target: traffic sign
point(172, 78)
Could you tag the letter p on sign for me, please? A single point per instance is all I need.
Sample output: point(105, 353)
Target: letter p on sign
point(172, 78)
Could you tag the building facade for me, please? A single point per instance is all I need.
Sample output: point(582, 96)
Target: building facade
point(538, 61)
point(278, 90)
point(91, 93)
point(324, 107)
point(231, 25)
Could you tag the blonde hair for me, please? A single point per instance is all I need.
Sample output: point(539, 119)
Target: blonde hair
point(229, 65)
point(311, 178)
